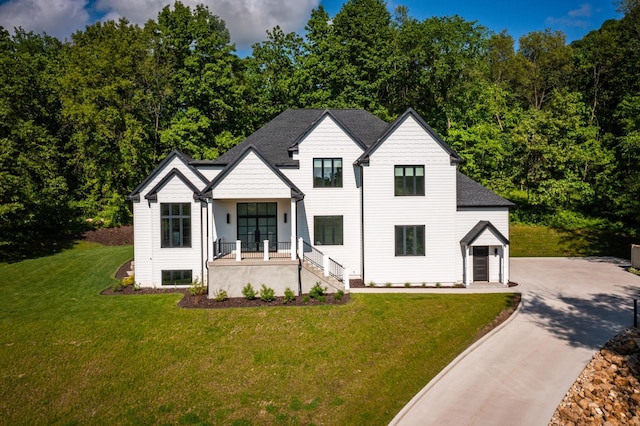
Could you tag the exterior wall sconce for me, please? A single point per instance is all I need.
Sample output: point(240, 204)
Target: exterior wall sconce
point(495, 251)
point(285, 218)
point(228, 218)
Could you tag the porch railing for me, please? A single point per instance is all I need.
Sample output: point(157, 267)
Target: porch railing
point(275, 249)
point(252, 250)
point(336, 270)
point(313, 255)
point(283, 250)
point(225, 249)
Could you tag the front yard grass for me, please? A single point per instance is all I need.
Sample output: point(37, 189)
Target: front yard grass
point(71, 356)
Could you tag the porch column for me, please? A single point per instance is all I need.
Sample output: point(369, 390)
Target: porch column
point(467, 281)
point(238, 250)
point(294, 227)
point(505, 264)
point(211, 229)
point(265, 250)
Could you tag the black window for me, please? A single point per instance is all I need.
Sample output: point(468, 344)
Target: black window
point(327, 172)
point(410, 240)
point(327, 230)
point(409, 180)
point(176, 277)
point(175, 224)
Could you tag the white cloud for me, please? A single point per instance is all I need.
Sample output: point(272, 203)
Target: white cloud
point(58, 18)
point(584, 11)
point(574, 18)
point(247, 20)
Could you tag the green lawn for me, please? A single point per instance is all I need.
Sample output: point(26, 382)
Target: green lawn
point(71, 356)
point(543, 241)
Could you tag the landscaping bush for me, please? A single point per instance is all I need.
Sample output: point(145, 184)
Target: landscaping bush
point(220, 295)
point(249, 292)
point(117, 286)
point(338, 295)
point(267, 294)
point(197, 288)
point(289, 296)
point(128, 280)
point(317, 291)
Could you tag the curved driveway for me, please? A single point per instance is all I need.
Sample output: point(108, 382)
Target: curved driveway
point(518, 374)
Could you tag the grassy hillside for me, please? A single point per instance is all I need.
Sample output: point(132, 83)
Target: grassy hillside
point(72, 356)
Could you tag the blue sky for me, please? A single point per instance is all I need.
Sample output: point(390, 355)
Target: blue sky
point(248, 20)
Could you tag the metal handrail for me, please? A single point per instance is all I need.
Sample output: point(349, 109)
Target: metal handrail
point(336, 270)
point(312, 255)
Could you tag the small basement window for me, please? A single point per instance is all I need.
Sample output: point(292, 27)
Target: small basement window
point(177, 277)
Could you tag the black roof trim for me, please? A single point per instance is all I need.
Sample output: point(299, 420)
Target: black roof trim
point(477, 230)
point(153, 194)
point(364, 158)
point(295, 191)
point(135, 194)
point(317, 121)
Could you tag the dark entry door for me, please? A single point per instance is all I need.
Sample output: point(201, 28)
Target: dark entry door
point(481, 263)
point(257, 222)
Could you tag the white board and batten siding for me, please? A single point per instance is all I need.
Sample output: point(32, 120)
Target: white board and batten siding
point(150, 258)
point(251, 178)
point(466, 219)
point(328, 140)
point(410, 145)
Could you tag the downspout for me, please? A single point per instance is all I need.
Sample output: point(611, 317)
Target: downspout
point(362, 222)
point(202, 248)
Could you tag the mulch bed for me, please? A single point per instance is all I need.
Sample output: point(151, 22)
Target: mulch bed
point(202, 302)
point(120, 236)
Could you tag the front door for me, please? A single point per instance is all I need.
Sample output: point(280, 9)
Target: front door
point(257, 222)
point(481, 263)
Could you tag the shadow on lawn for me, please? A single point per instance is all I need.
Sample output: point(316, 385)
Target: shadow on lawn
point(35, 249)
point(597, 242)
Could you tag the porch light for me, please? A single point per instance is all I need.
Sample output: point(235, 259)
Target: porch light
point(285, 218)
point(495, 251)
point(228, 218)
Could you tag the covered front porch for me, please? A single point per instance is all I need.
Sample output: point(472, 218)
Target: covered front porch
point(485, 255)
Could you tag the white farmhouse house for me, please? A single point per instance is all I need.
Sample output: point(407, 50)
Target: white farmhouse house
point(320, 195)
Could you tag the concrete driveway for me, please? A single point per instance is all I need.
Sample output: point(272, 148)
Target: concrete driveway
point(518, 374)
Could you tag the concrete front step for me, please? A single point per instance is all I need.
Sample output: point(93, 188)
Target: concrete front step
point(331, 281)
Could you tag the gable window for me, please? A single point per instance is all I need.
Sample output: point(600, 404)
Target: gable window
point(409, 240)
point(409, 180)
point(327, 172)
point(327, 230)
point(176, 277)
point(175, 224)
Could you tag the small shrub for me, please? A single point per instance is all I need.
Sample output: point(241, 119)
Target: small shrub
point(372, 284)
point(407, 284)
point(634, 271)
point(317, 291)
point(128, 280)
point(387, 284)
point(320, 299)
point(437, 285)
point(136, 286)
point(249, 292)
point(197, 288)
point(306, 299)
point(267, 294)
point(220, 295)
point(288, 295)
point(424, 284)
point(338, 295)
point(117, 286)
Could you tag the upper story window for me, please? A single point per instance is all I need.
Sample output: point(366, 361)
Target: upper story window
point(409, 180)
point(327, 172)
point(175, 224)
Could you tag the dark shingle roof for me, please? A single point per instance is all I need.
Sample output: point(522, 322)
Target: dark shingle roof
point(471, 194)
point(274, 139)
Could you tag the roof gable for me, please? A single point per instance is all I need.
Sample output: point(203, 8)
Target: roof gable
point(153, 194)
point(185, 159)
point(470, 193)
point(480, 228)
point(229, 168)
point(327, 113)
point(364, 158)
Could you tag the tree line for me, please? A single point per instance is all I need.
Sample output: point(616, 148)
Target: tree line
point(554, 127)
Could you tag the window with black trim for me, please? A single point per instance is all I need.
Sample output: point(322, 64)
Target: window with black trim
point(327, 230)
point(327, 172)
point(409, 180)
point(409, 240)
point(177, 277)
point(175, 224)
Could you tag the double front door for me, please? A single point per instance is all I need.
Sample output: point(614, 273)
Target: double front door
point(257, 222)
